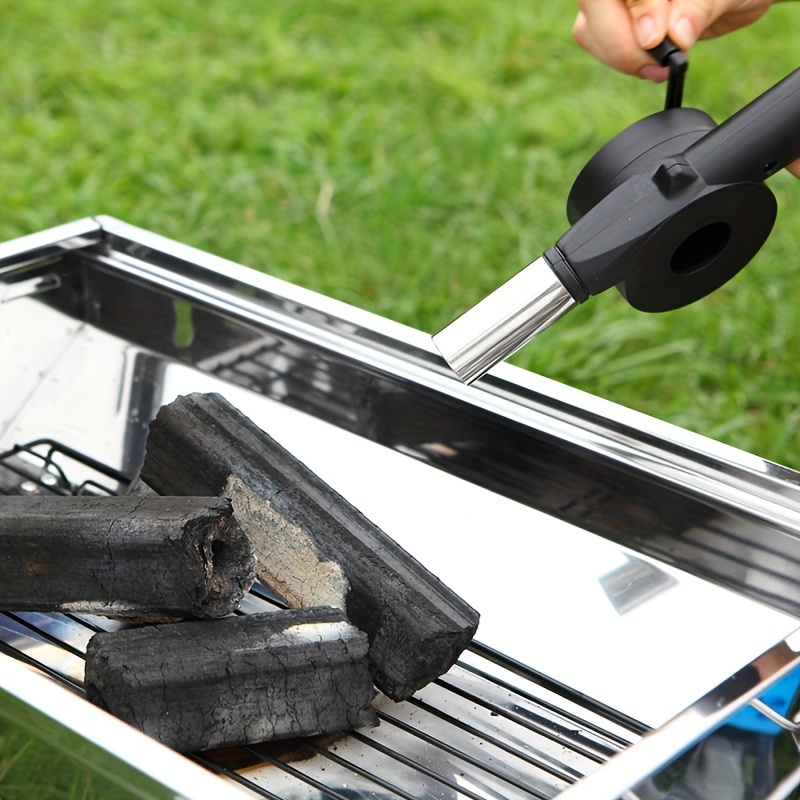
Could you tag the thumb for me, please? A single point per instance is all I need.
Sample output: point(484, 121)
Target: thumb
point(689, 19)
point(649, 20)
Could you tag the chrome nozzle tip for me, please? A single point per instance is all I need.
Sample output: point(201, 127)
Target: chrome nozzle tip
point(503, 321)
point(466, 371)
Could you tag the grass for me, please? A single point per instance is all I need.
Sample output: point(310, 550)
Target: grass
point(403, 157)
point(34, 769)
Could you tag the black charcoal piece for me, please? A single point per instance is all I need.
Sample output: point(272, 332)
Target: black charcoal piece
point(235, 681)
point(312, 546)
point(123, 556)
point(138, 488)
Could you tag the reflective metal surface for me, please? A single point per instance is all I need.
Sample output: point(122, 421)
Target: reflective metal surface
point(504, 321)
point(660, 747)
point(624, 568)
point(636, 616)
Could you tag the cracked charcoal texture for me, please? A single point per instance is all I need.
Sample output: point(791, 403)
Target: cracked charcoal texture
point(183, 557)
point(417, 626)
point(240, 680)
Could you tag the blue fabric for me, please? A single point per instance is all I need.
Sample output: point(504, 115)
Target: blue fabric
point(778, 697)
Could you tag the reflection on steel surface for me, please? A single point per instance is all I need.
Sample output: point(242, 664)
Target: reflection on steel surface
point(634, 582)
point(99, 743)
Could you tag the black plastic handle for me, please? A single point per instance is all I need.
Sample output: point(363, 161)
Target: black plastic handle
point(754, 143)
point(668, 54)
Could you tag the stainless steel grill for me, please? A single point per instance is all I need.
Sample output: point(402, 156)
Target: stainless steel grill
point(637, 583)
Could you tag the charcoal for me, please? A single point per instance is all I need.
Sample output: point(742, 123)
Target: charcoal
point(235, 681)
point(312, 546)
point(123, 556)
point(138, 488)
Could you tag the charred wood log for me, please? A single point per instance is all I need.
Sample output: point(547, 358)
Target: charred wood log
point(241, 680)
point(312, 546)
point(138, 488)
point(123, 556)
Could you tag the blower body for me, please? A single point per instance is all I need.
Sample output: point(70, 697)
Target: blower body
point(667, 211)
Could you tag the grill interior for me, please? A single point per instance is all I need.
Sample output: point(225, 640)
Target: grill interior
point(486, 729)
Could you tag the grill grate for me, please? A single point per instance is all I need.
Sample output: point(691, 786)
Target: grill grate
point(172, 318)
point(486, 729)
point(41, 466)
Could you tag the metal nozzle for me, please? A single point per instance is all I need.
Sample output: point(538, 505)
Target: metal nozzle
point(504, 321)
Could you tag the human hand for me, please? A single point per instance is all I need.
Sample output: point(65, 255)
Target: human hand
point(619, 32)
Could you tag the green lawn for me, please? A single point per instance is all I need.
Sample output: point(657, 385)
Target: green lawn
point(32, 768)
point(404, 157)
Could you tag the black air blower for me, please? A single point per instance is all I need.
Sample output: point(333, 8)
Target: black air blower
point(667, 211)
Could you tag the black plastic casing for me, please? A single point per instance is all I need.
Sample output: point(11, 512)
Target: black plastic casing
point(675, 206)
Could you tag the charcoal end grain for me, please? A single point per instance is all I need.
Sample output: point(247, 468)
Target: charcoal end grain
point(123, 556)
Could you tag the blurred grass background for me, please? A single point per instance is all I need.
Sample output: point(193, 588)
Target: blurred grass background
point(404, 157)
point(46, 762)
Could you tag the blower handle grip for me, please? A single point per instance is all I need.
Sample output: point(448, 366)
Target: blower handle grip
point(668, 54)
point(756, 142)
